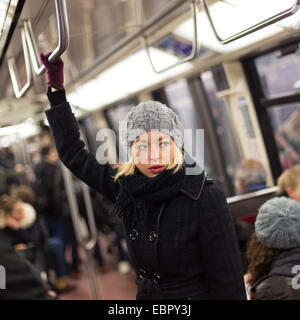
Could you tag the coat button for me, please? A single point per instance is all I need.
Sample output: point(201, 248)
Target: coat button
point(152, 235)
point(142, 274)
point(156, 277)
point(133, 234)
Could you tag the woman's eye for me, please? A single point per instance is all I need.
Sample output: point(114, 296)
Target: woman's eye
point(142, 147)
point(165, 143)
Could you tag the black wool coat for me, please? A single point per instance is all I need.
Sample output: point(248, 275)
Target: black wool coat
point(186, 248)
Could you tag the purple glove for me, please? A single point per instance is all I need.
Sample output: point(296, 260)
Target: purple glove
point(54, 71)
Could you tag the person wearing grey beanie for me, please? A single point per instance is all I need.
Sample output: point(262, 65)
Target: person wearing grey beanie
point(274, 250)
point(178, 229)
point(278, 223)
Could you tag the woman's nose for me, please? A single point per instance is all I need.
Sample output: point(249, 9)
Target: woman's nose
point(154, 153)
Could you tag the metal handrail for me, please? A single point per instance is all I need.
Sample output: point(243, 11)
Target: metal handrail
point(75, 215)
point(284, 14)
point(194, 52)
point(19, 92)
point(63, 37)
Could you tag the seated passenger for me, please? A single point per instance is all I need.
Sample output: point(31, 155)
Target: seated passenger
point(289, 183)
point(274, 251)
point(21, 279)
point(250, 176)
point(20, 223)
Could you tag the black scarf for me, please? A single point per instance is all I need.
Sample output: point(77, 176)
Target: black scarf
point(138, 190)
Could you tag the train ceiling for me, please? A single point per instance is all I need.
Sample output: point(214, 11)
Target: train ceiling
point(98, 25)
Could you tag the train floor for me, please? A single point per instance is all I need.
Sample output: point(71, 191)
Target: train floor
point(112, 285)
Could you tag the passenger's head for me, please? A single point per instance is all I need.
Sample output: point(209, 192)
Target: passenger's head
point(49, 154)
point(12, 207)
point(153, 134)
point(24, 193)
point(277, 228)
point(249, 172)
point(289, 183)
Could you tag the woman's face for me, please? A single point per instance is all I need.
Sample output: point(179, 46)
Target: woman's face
point(294, 193)
point(17, 212)
point(152, 152)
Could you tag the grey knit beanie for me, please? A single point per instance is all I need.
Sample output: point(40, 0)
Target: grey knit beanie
point(150, 115)
point(278, 223)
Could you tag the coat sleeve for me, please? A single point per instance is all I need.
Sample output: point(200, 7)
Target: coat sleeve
point(219, 247)
point(72, 150)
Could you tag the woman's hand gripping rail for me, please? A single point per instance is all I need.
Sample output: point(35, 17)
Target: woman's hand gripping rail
point(66, 134)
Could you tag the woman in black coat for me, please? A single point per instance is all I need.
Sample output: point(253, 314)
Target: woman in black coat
point(179, 232)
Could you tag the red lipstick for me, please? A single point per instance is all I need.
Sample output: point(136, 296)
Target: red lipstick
point(156, 168)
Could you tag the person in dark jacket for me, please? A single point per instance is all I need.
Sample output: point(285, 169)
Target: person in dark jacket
point(274, 251)
point(14, 210)
point(21, 280)
point(179, 232)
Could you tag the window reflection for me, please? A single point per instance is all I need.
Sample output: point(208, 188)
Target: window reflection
point(180, 100)
point(285, 121)
point(279, 72)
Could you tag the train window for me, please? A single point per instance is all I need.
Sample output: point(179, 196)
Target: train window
point(185, 97)
point(223, 125)
point(279, 72)
point(285, 120)
point(180, 100)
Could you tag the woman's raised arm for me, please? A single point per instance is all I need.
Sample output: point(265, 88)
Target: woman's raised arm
point(66, 134)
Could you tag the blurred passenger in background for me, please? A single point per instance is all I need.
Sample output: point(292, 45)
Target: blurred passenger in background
point(22, 279)
point(274, 251)
point(288, 140)
point(61, 197)
point(44, 186)
point(289, 183)
point(250, 176)
point(6, 158)
point(20, 226)
point(8, 175)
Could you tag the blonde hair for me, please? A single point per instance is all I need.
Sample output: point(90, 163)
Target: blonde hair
point(289, 179)
point(128, 168)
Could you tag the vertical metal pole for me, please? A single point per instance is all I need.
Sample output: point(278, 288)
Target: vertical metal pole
point(88, 248)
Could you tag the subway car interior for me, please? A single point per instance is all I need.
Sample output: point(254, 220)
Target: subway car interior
point(229, 69)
